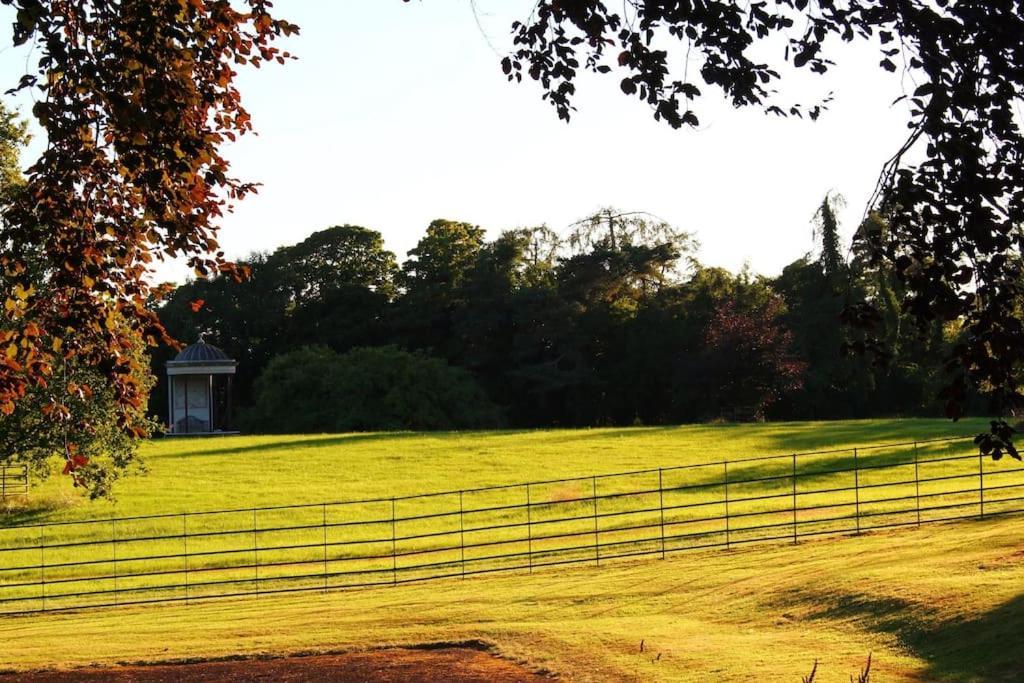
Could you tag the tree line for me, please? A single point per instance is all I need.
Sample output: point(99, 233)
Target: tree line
point(616, 323)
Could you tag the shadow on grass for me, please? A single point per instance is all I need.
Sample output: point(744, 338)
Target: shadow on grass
point(268, 444)
point(817, 471)
point(29, 511)
point(810, 436)
point(987, 648)
point(789, 437)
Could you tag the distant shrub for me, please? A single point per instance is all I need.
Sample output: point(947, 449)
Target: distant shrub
point(314, 389)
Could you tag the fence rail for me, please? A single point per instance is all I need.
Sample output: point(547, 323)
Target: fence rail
point(13, 481)
point(595, 519)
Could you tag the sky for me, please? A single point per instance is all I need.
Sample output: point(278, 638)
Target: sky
point(398, 113)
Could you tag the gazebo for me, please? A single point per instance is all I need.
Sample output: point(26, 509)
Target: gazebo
point(199, 390)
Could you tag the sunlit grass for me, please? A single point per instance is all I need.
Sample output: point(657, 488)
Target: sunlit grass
point(240, 473)
point(939, 603)
point(192, 475)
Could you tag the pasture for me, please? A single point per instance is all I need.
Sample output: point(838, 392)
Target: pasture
point(770, 607)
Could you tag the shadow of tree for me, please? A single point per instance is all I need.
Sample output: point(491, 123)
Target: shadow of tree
point(810, 436)
point(987, 649)
point(30, 511)
point(270, 444)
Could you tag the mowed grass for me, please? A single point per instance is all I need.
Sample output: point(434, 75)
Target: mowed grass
point(766, 610)
point(192, 475)
point(940, 603)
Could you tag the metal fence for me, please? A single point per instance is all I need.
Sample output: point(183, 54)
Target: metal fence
point(522, 527)
point(13, 481)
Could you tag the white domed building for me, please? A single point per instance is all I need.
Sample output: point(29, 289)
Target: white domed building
point(199, 391)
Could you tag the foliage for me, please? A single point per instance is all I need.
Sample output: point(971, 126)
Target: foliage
point(440, 261)
point(332, 289)
point(617, 227)
point(954, 238)
point(828, 225)
point(367, 389)
point(562, 335)
point(13, 137)
point(135, 99)
point(88, 437)
point(346, 255)
point(749, 358)
point(71, 414)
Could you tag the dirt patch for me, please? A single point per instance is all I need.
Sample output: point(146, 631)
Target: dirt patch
point(454, 664)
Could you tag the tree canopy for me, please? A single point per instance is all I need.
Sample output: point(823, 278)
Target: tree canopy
point(314, 389)
point(135, 98)
point(954, 191)
point(567, 335)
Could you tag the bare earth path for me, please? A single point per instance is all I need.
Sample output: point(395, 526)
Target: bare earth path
point(455, 664)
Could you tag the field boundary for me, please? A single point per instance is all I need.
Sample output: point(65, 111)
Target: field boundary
point(13, 481)
point(526, 526)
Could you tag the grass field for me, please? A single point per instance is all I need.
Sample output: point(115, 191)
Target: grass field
point(190, 475)
point(937, 603)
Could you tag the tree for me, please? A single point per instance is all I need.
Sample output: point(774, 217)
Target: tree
point(602, 336)
point(13, 137)
point(344, 255)
point(440, 261)
point(432, 279)
point(87, 435)
point(135, 99)
point(335, 286)
point(748, 358)
point(485, 322)
point(368, 389)
point(70, 413)
point(827, 225)
point(333, 289)
point(620, 228)
point(955, 233)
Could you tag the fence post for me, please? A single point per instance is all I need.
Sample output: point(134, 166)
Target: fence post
point(856, 489)
point(3, 482)
point(917, 486)
point(462, 538)
point(184, 540)
point(113, 543)
point(42, 563)
point(529, 531)
point(981, 482)
point(794, 499)
point(597, 541)
point(661, 507)
point(255, 554)
point(394, 556)
point(324, 524)
point(725, 470)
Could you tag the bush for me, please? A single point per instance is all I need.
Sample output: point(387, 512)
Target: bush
point(314, 389)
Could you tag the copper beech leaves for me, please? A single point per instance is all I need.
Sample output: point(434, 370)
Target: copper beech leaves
point(136, 98)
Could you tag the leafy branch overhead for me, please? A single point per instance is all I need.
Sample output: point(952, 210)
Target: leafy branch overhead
point(135, 98)
point(954, 236)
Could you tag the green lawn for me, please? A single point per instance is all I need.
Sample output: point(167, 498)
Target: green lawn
point(935, 603)
point(190, 475)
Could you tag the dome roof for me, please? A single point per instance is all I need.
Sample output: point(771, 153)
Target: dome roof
point(201, 352)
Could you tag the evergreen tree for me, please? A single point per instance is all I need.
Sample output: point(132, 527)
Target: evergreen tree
point(828, 226)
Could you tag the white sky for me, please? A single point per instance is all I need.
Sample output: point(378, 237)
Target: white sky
point(396, 114)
